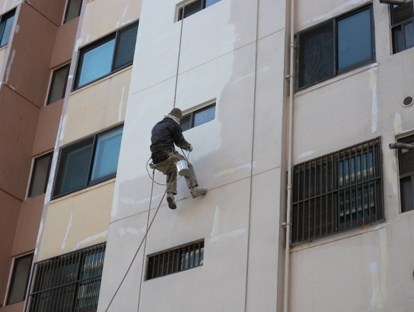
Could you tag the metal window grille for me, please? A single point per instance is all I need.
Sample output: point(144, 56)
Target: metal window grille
point(176, 260)
point(337, 192)
point(67, 283)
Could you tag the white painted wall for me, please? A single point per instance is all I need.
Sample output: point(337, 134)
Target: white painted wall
point(237, 157)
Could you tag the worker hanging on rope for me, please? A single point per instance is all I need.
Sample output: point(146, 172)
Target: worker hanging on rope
point(164, 135)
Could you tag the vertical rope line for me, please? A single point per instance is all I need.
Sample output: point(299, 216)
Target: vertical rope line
point(136, 253)
point(179, 56)
point(145, 244)
point(252, 157)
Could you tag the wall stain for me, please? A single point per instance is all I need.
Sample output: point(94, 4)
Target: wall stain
point(379, 279)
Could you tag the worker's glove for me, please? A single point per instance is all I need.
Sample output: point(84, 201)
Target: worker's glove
point(190, 148)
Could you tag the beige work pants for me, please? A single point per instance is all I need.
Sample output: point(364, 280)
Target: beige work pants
point(169, 168)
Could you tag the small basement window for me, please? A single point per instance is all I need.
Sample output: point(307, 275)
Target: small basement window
point(194, 7)
point(198, 117)
point(175, 260)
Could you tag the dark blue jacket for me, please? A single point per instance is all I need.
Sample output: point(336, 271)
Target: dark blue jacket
point(164, 135)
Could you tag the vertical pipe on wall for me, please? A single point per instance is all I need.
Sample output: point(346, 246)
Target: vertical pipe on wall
point(290, 149)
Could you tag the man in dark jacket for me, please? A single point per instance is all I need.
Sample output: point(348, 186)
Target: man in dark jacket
point(164, 135)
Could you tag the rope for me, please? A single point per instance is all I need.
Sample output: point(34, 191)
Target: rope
point(153, 180)
point(252, 158)
point(179, 55)
point(140, 245)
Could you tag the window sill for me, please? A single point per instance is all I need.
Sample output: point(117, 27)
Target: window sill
point(84, 190)
point(110, 76)
point(336, 79)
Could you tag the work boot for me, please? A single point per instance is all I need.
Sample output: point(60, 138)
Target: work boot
point(195, 192)
point(171, 201)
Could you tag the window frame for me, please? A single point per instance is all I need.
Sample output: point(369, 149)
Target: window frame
point(11, 13)
point(334, 22)
point(30, 186)
point(94, 139)
point(192, 114)
point(324, 199)
point(401, 25)
point(11, 278)
point(99, 42)
point(404, 173)
point(41, 267)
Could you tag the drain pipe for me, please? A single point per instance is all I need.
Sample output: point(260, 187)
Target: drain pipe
point(288, 224)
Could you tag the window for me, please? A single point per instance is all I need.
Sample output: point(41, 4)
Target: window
point(69, 282)
point(58, 84)
point(20, 277)
point(40, 175)
point(334, 47)
point(88, 162)
point(6, 23)
point(73, 9)
point(106, 56)
point(337, 192)
point(406, 165)
point(198, 117)
point(176, 260)
point(402, 24)
point(194, 7)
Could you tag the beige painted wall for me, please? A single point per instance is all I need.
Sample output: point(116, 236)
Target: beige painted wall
point(104, 16)
point(102, 104)
point(77, 221)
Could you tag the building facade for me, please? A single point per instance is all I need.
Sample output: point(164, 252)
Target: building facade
point(300, 114)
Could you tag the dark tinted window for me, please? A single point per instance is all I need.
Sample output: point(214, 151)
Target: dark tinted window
point(323, 52)
point(40, 175)
point(58, 84)
point(194, 7)
point(88, 162)
point(125, 47)
point(406, 168)
point(402, 23)
point(354, 40)
point(6, 23)
point(316, 50)
point(73, 10)
point(20, 277)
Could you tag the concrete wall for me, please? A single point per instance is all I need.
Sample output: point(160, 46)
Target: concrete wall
point(372, 265)
point(239, 216)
